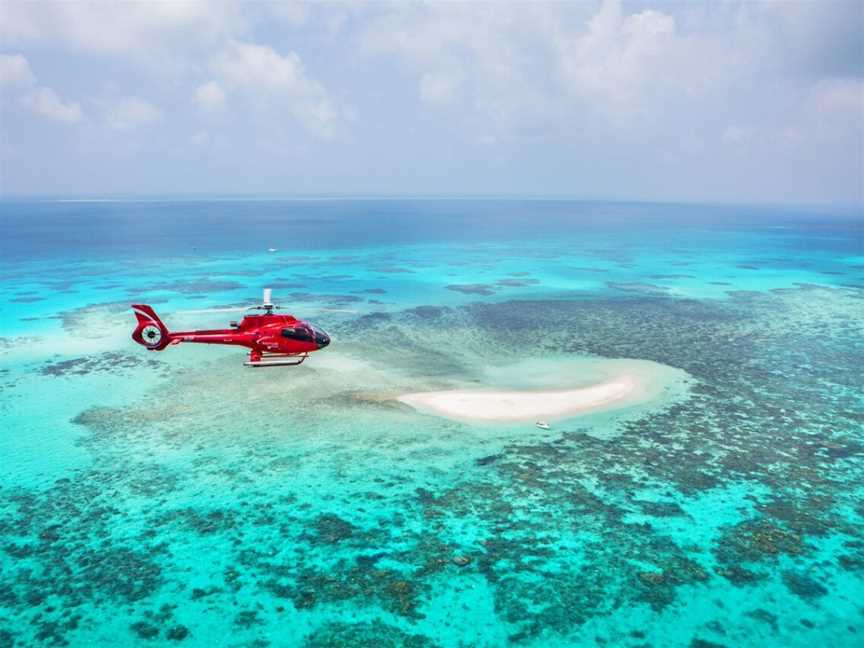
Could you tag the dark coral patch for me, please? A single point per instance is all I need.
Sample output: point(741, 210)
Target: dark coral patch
point(661, 509)
point(331, 529)
point(247, 619)
point(428, 312)
point(636, 287)
point(756, 540)
point(26, 300)
point(391, 269)
point(194, 286)
point(286, 285)
point(803, 585)
point(109, 362)
point(145, 630)
point(517, 283)
point(177, 633)
point(472, 289)
point(375, 633)
point(330, 299)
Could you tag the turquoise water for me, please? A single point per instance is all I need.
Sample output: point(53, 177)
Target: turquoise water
point(153, 499)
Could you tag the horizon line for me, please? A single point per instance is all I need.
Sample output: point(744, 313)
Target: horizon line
point(335, 196)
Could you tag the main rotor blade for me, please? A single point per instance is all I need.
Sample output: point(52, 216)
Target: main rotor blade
point(233, 309)
point(237, 309)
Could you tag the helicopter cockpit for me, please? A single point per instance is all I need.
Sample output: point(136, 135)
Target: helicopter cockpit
point(306, 333)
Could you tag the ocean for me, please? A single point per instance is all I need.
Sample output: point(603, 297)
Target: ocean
point(179, 498)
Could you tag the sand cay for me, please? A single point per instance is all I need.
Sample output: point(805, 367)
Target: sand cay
point(610, 384)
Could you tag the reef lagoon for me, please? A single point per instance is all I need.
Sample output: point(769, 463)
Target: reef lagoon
point(179, 498)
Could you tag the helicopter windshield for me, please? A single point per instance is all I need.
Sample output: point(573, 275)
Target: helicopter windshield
point(300, 333)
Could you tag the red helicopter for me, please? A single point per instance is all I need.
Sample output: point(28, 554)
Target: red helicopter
point(273, 340)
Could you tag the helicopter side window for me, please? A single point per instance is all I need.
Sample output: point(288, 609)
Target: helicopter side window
point(299, 333)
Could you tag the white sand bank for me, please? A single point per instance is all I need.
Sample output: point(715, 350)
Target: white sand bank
point(610, 384)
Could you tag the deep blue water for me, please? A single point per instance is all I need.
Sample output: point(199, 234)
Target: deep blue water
point(38, 229)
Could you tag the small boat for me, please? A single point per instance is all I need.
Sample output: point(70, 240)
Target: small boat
point(543, 425)
point(271, 249)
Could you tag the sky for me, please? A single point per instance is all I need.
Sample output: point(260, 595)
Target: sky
point(691, 101)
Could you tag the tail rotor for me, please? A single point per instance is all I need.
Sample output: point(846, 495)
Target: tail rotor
point(150, 332)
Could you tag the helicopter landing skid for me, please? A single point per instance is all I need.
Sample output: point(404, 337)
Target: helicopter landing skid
point(276, 360)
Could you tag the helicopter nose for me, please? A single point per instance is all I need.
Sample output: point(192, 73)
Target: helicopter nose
point(321, 339)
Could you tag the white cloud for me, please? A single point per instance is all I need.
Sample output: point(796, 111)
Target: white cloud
point(128, 113)
point(441, 87)
point(827, 111)
point(210, 96)
point(681, 83)
point(584, 69)
point(40, 100)
point(261, 68)
point(619, 59)
point(201, 138)
point(290, 11)
point(266, 76)
point(836, 102)
point(493, 61)
point(165, 38)
point(609, 82)
point(126, 27)
point(14, 69)
point(436, 41)
point(46, 103)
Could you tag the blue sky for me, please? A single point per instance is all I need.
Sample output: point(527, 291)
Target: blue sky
point(733, 102)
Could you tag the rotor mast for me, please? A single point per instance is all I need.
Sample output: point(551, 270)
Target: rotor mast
point(267, 304)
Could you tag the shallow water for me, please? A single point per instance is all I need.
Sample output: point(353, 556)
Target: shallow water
point(150, 498)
